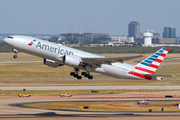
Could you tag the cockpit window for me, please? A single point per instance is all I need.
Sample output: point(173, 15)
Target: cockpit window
point(10, 37)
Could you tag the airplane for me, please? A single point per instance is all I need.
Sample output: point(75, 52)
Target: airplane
point(56, 55)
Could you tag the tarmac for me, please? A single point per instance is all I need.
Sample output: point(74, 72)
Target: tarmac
point(11, 108)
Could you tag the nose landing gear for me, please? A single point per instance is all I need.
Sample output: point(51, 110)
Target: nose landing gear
point(15, 51)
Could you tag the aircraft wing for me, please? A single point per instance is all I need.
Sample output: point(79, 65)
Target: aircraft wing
point(158, 75)
point(108, 60)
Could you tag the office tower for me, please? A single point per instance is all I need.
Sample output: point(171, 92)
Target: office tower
point(134, 29)
point(173, 33)
point(169, 32)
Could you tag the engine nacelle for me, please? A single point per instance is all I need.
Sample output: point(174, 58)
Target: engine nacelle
point(51, 63)
point(71, 60)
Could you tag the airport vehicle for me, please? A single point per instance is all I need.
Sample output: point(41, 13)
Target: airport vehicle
point(66, 95)
point(56, 55)
point(94, 91)
point(144, 102)
point(24, 95)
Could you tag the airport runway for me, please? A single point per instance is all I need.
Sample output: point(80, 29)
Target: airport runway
point(87, 87)
point(18, 61)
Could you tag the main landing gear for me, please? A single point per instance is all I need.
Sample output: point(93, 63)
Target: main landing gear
point(76, 75)
point(86, 74)
point(15, 51)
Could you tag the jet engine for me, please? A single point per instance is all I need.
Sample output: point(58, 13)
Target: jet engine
point(71, 60)
point(51, 63)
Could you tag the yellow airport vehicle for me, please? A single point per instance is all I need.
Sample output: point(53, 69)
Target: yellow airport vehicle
point(24, 95)
point(66, 95)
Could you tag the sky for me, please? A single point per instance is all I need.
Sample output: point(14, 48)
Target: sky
point(55, 16)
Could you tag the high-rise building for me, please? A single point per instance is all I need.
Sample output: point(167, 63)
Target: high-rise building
point(173, 33)
point(169, 32)
point(134, 29)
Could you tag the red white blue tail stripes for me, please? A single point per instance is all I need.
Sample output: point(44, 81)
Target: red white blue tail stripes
point(150, 64)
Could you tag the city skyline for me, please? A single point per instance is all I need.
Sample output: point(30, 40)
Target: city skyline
point(54, 17)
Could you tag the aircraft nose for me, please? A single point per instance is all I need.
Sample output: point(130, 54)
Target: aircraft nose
point(7, 39)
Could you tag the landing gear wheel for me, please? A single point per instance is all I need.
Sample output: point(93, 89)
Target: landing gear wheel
point(75, 75)
point(90, 77)
point(86, 75)
point(15, 56)
point(79, 77)
point(83, 73)
point(72, 73)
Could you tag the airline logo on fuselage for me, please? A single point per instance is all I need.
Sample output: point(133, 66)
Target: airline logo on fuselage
point(31, 43)
point(53, 49)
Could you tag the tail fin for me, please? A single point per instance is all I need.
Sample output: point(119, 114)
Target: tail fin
point(150, 64)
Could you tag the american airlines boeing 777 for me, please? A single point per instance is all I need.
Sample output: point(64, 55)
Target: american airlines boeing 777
point(56, 55)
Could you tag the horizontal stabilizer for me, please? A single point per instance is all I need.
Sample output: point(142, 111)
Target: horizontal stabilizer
point(158, 75)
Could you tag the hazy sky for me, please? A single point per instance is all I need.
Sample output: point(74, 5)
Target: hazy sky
point(54, 16)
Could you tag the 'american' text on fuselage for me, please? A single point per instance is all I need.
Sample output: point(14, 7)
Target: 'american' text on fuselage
point(53, 49)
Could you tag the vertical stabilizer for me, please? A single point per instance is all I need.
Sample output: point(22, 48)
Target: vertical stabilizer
point(150, 64)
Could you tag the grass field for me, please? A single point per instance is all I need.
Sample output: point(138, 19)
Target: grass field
point(74, 92)
point(109, 106)
point(29, 70)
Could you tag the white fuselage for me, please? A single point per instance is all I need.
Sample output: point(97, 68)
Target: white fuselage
point(52, 51)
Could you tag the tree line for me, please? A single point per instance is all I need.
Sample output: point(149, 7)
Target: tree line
point(110, 49)
point(126, 49)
